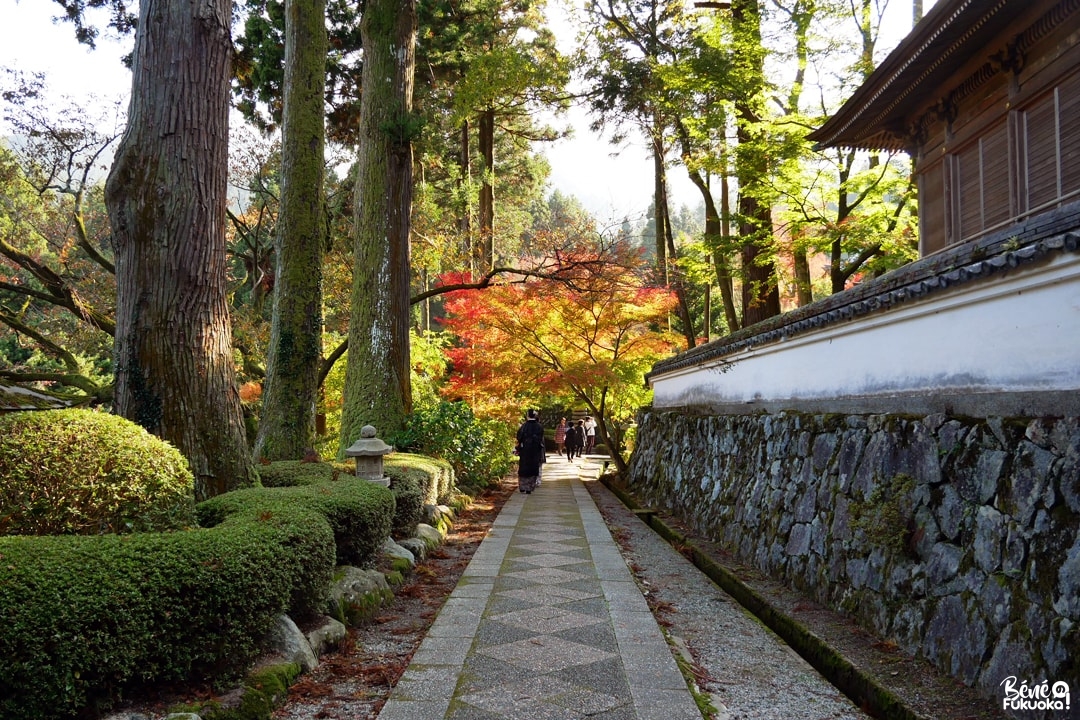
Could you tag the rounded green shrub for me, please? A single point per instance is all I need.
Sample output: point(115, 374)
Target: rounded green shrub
point(408, 505)
point(80, 472)
point(290, 473)
point(87, 617)
point(435, 477)
point(360, 512)
point(478, 450)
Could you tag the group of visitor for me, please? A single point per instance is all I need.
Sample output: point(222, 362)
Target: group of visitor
point(576, 438)
point(573, 440)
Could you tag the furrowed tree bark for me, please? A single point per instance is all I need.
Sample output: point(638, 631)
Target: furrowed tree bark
point(377, 383)
point(487, 190)
point(166, 196)
point(465, 221)
point(716, 232)
point(659, 206)
point(287, 420)
point(760, 294)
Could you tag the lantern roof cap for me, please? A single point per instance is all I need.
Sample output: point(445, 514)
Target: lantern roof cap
point(367, 445)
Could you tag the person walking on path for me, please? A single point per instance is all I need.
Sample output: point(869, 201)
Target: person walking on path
point(530, 451)
point(571, 435)
point(590, 434)
point(560, 435)
point(575, 440)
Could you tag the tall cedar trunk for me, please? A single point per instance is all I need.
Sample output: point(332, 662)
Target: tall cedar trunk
point(166, 197)
point(659, 207)
point(464, 185)
point(804, 291)
point(678, 281)
point(760, 294)
point(722, 260)
point(716, 237)
point(487, 190)
point(665, 242)
point(287, 421)
point(377, 389)
point(802, 15)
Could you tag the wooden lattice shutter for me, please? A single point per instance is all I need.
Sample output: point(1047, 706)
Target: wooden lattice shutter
point(1069, 129)
point(998, 206)
point(1041, 145)
point(932, 208)
point(968, 191)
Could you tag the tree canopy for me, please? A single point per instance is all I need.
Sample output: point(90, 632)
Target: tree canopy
point(467, 219)
point(584, 337)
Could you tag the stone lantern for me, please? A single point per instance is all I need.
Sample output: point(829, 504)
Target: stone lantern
point(369, 451)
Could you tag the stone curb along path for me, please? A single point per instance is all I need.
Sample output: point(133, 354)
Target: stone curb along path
point(869, 672)
point(546, 622)
point(860, 686)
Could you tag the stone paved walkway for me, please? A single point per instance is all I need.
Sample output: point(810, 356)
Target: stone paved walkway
point(546, 623)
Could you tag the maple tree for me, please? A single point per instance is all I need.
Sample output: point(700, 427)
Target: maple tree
point(584, 337)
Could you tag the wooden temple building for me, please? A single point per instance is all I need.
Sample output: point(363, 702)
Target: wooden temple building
point(768, 438)
point(985, 97)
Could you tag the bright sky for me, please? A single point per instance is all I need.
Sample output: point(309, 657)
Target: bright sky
point(29, 41)
point(610, 181)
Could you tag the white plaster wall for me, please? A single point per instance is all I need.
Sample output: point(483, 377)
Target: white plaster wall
point(1018, 331)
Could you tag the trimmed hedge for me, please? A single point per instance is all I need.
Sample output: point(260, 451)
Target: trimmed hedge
point(290, 473)
point(360, 512)
point(85, 617)
point(80, 472)
point(416, 480)
point(408, 506)
point(434, 477)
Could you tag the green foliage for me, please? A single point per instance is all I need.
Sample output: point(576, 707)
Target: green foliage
point(360, 512)
point(292, 473)
point(405, 129)
point(434, 476)
point(83, 472)
point(408, 505)
point(260, 66)
point(478, 450)
point(87, 617)
point(429, 366)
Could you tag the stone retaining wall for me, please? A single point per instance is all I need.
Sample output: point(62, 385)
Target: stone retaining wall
point(954, 537)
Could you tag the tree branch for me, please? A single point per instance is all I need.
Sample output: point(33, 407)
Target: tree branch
point(852, 267)
point(330, 360)
point(65, 356)
point(81, 382)
point(58, 293)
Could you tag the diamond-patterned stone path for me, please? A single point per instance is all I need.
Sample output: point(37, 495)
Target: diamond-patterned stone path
point(546, 623)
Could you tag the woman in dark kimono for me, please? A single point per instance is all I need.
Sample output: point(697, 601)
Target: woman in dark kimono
point(530, 449)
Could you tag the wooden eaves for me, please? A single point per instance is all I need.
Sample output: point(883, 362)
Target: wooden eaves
point(917, 75)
